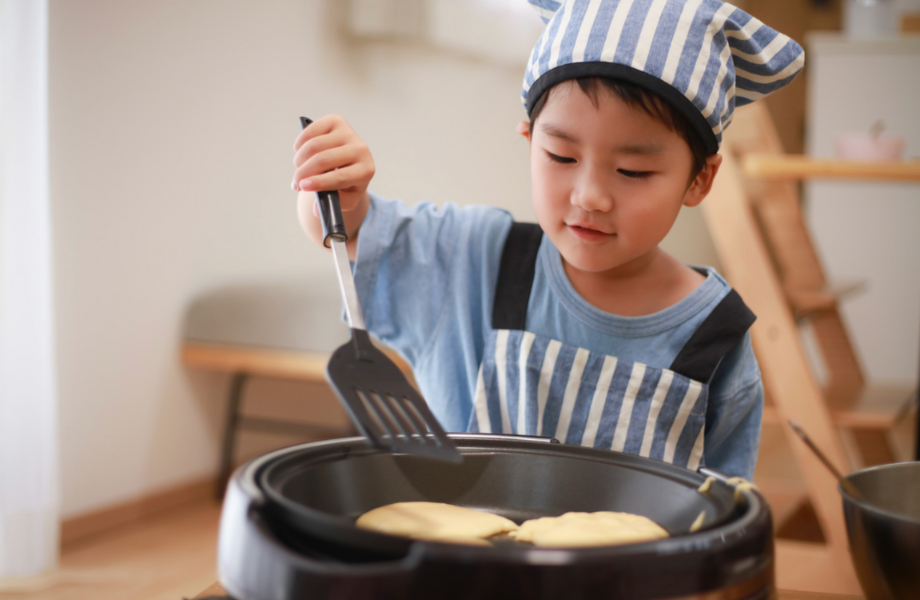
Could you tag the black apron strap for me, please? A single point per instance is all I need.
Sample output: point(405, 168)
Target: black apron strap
point(719, 333)
point(515, 276)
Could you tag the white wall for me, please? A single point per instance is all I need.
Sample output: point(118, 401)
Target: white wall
point(171, 130)
point(867, 230)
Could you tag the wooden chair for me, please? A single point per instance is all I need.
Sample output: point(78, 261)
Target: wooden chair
point(867, 415)
point(765, 249)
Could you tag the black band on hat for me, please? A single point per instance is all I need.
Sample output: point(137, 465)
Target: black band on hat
point(624, 73)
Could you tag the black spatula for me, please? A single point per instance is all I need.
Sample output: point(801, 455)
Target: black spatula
point(383, 405)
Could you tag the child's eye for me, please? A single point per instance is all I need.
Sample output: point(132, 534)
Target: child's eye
point(636, 174)
point(560, 159)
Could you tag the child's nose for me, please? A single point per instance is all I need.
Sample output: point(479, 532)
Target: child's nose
point(591, 194)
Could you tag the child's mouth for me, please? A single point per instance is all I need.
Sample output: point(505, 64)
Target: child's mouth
point(588, 234)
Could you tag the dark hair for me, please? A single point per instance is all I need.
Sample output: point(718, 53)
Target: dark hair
point(641, 99)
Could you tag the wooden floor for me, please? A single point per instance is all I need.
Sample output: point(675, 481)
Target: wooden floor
point(166, 557)
point(173, 555)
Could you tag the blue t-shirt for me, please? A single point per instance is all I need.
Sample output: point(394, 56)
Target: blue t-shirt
point(426, 278)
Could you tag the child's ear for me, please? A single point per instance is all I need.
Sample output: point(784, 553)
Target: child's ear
point(702, 183)
point(524, 129)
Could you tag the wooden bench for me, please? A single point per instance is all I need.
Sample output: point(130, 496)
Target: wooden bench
point(245, 362)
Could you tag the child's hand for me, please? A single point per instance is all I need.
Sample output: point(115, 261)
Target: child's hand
point(329, 155)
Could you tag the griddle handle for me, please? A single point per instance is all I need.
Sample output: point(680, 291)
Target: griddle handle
point(727, 480)
point(719, 475)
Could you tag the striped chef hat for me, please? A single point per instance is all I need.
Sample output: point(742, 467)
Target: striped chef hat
point(704, 57)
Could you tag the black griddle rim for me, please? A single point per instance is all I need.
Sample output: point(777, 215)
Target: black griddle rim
point(255, 562)
point(278, 510)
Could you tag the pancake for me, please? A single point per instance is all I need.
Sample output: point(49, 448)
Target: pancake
point(435, 521)
point(576, 529)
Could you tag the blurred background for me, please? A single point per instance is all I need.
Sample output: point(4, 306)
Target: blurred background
point(170, 127)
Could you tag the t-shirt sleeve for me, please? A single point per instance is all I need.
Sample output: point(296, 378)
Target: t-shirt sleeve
point(734, 413)
point(408, 260)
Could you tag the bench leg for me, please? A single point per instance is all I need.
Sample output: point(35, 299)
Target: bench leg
point(231, 425)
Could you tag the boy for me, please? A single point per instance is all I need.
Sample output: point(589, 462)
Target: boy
point(581, 329)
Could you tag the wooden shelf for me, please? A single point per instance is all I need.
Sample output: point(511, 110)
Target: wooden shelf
point(877, 407)
point(870, 407)
point(797, 166)
point(808, 300)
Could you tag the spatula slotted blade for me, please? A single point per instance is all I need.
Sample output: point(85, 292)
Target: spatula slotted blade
point(382, 403)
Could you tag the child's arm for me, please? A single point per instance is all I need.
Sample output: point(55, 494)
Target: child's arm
point(329, 155)
point(734, 412)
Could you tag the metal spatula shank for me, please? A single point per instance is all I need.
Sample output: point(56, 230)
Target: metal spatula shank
point(381, 402)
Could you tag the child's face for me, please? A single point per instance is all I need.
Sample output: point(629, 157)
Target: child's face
point(608, 181)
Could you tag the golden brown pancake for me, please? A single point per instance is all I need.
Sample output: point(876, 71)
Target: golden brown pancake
point(435, 521)
point(589, 529)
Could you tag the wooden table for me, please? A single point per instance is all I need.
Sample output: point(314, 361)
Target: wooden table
point(217, 591)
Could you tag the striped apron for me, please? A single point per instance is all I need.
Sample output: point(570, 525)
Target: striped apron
point(532, 385)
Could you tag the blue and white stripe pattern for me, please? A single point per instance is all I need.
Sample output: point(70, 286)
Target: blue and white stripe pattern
point(537, 386)
point(714, 55)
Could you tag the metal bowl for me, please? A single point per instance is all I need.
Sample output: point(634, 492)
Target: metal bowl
point(884, 530)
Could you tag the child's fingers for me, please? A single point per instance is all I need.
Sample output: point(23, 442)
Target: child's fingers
point(329, 155)
point(357, 175)
point(334, 158)
point(321, 143)
point(347, 178)
point(320, 127)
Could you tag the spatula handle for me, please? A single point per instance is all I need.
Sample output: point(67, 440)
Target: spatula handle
point(330, 209)
point(334, 236)
point(333, 225)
